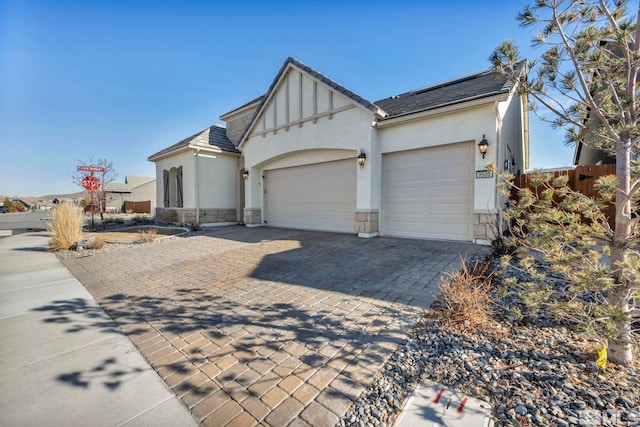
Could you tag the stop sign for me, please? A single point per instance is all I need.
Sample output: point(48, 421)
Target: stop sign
point(91, 183)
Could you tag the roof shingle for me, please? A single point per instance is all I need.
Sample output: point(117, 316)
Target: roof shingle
point(465, 89)
point(214, 136)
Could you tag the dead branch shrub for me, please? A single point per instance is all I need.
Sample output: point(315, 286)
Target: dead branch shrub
point(65, 226)
point(95, 243)
point(147, 235)
point(465, 297)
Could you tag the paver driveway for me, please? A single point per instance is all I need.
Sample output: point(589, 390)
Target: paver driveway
point(265, 326)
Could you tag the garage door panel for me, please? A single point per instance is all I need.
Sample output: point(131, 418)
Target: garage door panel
point(312, 197)
point(428, 193)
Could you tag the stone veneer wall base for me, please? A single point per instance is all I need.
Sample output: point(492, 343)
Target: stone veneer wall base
point(485, 227)
point(188, 215)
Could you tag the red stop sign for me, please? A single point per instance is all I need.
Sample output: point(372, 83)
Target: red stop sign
point(91, 183)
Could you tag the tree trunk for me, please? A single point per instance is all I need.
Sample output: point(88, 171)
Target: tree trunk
point(621, 348)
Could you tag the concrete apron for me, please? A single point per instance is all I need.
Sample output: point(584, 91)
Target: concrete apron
point(52, 373)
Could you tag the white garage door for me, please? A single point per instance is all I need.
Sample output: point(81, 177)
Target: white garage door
point(313, 197)
point(428, 193)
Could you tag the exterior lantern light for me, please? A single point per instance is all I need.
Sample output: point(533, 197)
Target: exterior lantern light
point(245, 174)
point(362, 159)
point(483, 146)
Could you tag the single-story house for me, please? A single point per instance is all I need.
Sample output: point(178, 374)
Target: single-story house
point(134, 189)
point(311, 154)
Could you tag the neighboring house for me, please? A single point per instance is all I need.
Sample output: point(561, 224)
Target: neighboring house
point(584, 156)
point(134, 189)
point(317, 156)
point(199, 179)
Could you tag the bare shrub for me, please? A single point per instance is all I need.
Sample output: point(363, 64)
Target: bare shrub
point(147, 235)
point(65, 226)
point(465, 297)
point(95, 243)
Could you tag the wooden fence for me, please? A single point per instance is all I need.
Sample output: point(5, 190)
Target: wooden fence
point(137, 207)
point(581, 179)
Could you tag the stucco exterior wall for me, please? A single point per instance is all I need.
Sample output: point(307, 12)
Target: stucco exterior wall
point(451, 127)
point(512, 135)
point(143, 193)
point(184, 159)
point(348, 130)
point(217, 181)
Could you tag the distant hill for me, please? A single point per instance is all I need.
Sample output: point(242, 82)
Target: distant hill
point(48, 198)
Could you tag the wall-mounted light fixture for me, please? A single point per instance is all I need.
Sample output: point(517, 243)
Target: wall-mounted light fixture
point(483, 146)
point(362, 159)
point(245, 174)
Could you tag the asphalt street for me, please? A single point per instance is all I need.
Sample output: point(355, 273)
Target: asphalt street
point(20, 222)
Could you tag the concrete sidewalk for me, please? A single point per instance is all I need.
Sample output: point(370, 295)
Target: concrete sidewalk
point(54, 371)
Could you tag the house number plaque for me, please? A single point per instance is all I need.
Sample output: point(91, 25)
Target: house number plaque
point(484, 174)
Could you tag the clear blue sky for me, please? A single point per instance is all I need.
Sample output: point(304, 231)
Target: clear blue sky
point(124, 79)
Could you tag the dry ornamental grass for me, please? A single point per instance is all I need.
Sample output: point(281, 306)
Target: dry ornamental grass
point(66, 226)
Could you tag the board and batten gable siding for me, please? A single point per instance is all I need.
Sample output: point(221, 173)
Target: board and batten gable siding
point(468, 125)
point(305, 114)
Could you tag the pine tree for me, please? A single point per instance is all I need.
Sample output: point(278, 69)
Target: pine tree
point(587, 78)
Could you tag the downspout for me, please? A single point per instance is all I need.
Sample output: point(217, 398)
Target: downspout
point(195, 161)
point(498, 165)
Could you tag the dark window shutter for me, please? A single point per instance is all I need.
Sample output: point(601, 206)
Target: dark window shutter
point(165, 181)
point(179, 200)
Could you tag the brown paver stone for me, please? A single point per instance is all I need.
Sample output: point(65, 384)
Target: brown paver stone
point(306, 393)
point(264, 384)
point(255, 407)
point(223, 415)
point(317, 415)
point(336, 402)
point(286, 412)
point(243, 420)
point(290, 383)
point(210, 404)
point(323, 377)
point(273, 397)
point(264, 325)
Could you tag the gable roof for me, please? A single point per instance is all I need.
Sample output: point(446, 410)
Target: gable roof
point(246, 104)
point(469, 88)
point(212, 137)
point(319, 76)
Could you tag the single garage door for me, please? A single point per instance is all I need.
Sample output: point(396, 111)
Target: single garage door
point(428, 193)
point(312, 197)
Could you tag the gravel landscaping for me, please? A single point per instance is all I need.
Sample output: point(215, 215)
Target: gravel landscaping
point(532, 372)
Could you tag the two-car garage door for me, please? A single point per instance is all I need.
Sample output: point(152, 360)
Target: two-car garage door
point(320, 196)
point(428, 193)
